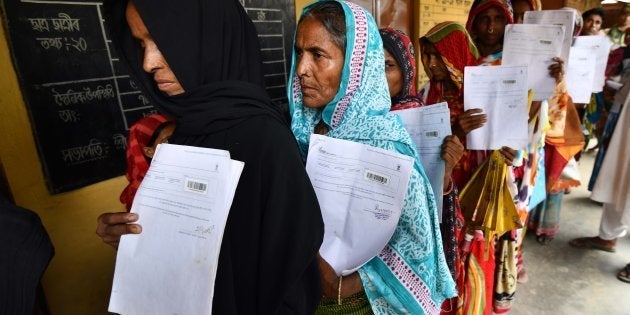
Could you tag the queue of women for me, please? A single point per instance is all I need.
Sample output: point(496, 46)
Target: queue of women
point(346, 76)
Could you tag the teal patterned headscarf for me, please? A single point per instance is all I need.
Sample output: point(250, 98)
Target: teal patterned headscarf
point(362, 82)
point(410, 275)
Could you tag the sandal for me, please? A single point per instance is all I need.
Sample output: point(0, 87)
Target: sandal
point(591, 243)
point(624, 274)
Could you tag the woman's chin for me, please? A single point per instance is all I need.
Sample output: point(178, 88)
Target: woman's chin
point(312, 103)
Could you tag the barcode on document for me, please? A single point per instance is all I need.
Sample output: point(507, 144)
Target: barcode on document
point(375, 177)
point(197, 186)
point(431, 134)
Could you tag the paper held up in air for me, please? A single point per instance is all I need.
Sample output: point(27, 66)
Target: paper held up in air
point(428, 126)
point(501, 93)
point(182, 204)
point(361, 191)
point(534, 46)
point(599, 45)
point(581, 74)
point(565, 18)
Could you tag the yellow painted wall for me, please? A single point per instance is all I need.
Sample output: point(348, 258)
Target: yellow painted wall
point(299, 4)
point(78, 279)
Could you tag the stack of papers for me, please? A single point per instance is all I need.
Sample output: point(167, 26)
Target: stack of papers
point(183, 205)
point(428, 126)
point(501, 92)
point(361, 190)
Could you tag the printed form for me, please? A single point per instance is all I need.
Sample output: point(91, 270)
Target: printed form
point(599, 46)
point(534, 46)
point(581, 74)
point(361, 191)
point(428, 126)
point(182, 205)
point(565, 18)
point(501, 92)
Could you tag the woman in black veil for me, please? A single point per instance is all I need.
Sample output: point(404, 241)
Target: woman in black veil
point(199, 62)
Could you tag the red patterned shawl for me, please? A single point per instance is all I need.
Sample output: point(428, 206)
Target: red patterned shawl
point(137, 165)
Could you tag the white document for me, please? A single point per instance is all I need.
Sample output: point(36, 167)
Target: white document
point(534, 46)
point(428, 126)
point(183, 205)
point(580, 74)
point(501, 92)
point(565, 18)
point(361, 191)
point(600, 47)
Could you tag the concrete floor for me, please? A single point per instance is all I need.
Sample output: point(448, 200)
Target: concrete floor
point(566, 280)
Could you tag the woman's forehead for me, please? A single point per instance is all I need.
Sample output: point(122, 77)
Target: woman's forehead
point(313, 30)
point(491, 11)
point(428, 47)
point(593, 16)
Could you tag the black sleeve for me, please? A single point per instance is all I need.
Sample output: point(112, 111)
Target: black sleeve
point(292, 231)
point(26, 251)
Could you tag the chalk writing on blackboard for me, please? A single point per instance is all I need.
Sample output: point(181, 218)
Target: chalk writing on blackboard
point(80, 97)
point(271, 33)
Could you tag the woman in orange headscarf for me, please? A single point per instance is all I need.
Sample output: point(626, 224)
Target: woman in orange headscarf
point(486, 24)
point(446, 49)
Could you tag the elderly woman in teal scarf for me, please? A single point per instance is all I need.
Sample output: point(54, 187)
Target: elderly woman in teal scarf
point(338, 88)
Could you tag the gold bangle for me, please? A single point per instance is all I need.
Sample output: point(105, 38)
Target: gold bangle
point(339, 291)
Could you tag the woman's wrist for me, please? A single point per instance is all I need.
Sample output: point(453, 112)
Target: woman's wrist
point(343, 286)
point(351, 285)
point(449, 188)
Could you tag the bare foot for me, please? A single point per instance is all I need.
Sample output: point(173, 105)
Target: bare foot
point(521, 276)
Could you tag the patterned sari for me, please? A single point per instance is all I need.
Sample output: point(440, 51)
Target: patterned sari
point(502, 289)
point(401, 48)
point(410, 275)
point(563, 140)
point(457, 51)
point(474, 267)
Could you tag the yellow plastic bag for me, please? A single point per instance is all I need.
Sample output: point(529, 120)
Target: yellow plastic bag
point(486, 201)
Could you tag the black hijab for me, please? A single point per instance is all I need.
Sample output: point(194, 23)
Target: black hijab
point(268, 258)
point(212, 47)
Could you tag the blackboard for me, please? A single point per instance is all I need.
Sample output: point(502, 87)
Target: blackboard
point(81, 99)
